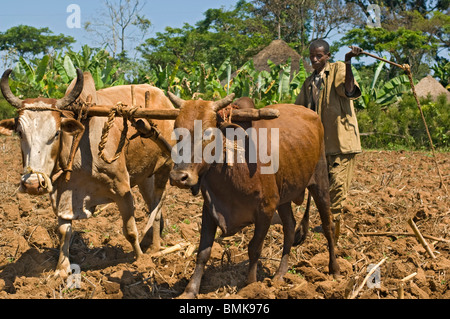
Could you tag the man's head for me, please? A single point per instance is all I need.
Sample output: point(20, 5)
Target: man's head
point(319, 54)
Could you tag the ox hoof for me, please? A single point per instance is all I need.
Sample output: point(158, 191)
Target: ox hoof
point(186, 295)
point(277, 279)
point(337, 276)
point(61, 273)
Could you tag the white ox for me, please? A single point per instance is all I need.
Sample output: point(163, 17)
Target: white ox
point(46, 136)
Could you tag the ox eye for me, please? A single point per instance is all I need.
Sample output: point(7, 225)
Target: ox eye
point(55, 137)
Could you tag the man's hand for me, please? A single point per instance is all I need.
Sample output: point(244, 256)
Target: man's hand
point(354, 52)
point(349, 79)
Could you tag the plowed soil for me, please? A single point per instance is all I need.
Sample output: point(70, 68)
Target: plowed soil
point(389, 188)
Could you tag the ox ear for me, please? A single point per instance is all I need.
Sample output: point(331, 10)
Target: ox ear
point(7, 127)
point(176, 101)
point(71, 126)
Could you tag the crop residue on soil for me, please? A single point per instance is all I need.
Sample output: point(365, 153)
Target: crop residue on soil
point(389, 188)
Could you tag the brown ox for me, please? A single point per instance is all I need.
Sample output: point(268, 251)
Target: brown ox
point(241, 194)
point(46, 136)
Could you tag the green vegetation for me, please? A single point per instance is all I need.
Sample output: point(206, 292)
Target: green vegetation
point(214, 58)
point(400, 125)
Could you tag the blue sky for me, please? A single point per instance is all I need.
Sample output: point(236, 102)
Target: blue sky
point(53, 14)
point(162, 13)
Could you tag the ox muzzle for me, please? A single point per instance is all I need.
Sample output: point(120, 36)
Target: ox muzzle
point(185, 179)
point(35, 183)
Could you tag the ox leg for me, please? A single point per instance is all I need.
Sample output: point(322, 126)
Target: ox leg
point(262, 225)
point(287, 217)
point(153, 192)
point(126, 208)
point(208, 232)
point(65, 231)
point(320, 192)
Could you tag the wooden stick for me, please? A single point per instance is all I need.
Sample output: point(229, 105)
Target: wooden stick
point(238, 115)
point(382, 59)
point(104, 110)
point(407, 69)
point(402, 234)
point(420, 238)
point(147, 99)
point(133, 96)
point(353, 296)
point(255, 114)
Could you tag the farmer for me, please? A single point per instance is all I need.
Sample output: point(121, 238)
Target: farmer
point(329, 91)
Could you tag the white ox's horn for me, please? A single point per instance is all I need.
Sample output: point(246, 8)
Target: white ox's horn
point(74, 94)
point(6, 90)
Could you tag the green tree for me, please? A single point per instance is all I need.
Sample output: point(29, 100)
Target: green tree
point(403, 45)
point(29, 41)
point(299, 22)
point(442, 71)
point(236, 34)
point(413, 32)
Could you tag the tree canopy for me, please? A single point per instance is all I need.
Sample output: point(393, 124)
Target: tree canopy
point(235, 34)
point(27, 40)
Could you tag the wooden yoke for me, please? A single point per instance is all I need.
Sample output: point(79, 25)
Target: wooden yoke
point(238, 115)
point(146, 129)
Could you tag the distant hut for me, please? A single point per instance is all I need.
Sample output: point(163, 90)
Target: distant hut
point(278, 52)
point(429, 85)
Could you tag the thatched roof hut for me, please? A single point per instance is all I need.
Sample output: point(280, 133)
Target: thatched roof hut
point(278, 52)
point(429, 85)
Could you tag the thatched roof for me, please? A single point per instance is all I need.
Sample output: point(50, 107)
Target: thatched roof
point(278, 52)
point(429, 85)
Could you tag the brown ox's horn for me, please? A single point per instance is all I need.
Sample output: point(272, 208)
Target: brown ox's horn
point(6, 90)
point(178, 102)
point(74, 94)
point(218, 105)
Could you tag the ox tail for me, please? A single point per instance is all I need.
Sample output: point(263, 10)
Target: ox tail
point(302, 229)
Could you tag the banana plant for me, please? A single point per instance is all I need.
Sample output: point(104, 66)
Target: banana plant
point(392, 91)
point(380, 92)
point(34, 79)
point(104, 69)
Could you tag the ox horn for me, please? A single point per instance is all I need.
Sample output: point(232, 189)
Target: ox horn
point(218, 105)
point(178, 102)
point(6, 90)
point(74, 94)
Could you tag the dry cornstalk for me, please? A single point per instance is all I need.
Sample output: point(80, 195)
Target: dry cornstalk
point(409, 277)
point(420, 238)
point(169, 250)
point(401, 292)
point(190, 250)
point(356, 292)
point(402, 234)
